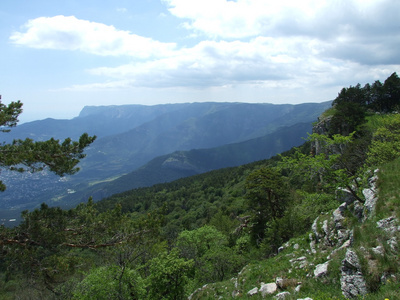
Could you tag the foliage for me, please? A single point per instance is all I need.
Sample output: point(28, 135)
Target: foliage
point(267, 194)
point(385, 145)
point(110, 282)
point(28, 155)
point(168, 276)
point(213, 259)
point(166, 241)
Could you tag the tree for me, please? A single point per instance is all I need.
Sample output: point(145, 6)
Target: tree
point(267, 195)
point(168, 276)
point(60, 158)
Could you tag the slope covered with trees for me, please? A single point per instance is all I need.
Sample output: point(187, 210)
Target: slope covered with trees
point(232, 229)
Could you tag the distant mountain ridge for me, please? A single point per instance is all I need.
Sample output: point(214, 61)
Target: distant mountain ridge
point(131, 136)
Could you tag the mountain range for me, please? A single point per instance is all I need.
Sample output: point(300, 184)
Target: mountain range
point(141, 145)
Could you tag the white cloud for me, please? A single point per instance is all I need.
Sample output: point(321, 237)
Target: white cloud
point(249, 18)
point(70, 33)
point(261, 61)
point(363, 31)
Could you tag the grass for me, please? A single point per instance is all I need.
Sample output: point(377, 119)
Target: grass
point(389, 190)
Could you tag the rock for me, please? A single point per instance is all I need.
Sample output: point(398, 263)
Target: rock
point(308, 298)
point(296, 246)
point(314, 228)
point(321, 269)
point(282, 295)
point(325, 228)
point(312, 243)
point(370, 194)
point(344, 195)
point(267, 289)
point(379, 250)
point(358, 210)
point(338, 215)
point(235, 293)
point(389, 224)
point(352, 281)
point(370, 199)
point(252, 292)
point(297, 288)
point(392, 242)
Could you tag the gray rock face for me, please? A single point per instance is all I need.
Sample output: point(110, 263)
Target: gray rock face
point(370, 194)
point(338, 215)
point(352, 281)
point(389, 224)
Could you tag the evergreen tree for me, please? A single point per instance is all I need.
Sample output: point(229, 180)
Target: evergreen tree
point(60, 158)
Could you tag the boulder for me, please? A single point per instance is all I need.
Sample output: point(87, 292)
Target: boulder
point(268, 288)
point(321, 269)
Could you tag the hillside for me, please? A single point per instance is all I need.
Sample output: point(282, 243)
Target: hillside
point(320, 221)
point(130, 136)
point(167, 168)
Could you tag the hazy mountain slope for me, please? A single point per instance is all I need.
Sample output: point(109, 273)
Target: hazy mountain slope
point(180, 164)
point(95, 120)
point(143, 133)
point(196, 125)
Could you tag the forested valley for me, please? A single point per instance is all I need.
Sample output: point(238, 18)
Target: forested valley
point(221, 234)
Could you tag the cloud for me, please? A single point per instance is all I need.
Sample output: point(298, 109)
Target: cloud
point(70, 33)
point(260, 61)
point(366, 32)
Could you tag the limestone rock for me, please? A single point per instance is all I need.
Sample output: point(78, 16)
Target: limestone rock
point(338, 215)
point(268, 288)
point(321, 269)
point(379, 250)
point(389, 224)
point(252, 292)
point(282, 296)
point(352, 281)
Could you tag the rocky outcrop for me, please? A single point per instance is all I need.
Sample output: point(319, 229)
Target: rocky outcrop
point(352, 280)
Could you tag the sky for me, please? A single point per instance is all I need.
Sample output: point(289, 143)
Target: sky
point(59, 56)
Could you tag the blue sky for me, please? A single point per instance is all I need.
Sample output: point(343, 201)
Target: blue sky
point(58, 56)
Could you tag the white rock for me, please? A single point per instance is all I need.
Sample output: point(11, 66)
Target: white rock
point(282, 296)
point(253, 291)
point(379, 250)
point(268, 288)
point(321, 269)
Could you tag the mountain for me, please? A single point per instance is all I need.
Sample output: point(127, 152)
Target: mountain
point(193, 126)
point(130, 136)
point(180, 164)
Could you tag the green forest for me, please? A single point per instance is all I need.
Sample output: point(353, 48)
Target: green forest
point(219, 234)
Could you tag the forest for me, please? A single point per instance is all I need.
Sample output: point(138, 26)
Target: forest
point(170, 240)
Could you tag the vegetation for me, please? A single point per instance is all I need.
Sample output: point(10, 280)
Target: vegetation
point(27, 155)
point(169, 240)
